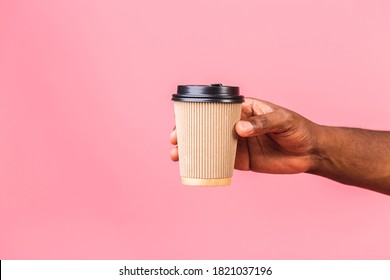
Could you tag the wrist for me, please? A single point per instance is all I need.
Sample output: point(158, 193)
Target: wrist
point(319, 154)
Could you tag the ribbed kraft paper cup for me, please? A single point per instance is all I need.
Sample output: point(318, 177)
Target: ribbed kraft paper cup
point(207, 140)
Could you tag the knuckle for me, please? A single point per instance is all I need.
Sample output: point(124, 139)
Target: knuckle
point(288, 117)
point(288, 121)
point(260, 122)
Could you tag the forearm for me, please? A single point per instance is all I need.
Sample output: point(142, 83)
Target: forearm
point(353, 156)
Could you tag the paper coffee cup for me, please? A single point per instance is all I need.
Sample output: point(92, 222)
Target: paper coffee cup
point(207, 142)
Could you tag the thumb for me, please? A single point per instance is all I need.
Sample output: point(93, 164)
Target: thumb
point(277, 121)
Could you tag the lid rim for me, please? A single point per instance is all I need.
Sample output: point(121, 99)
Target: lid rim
point(208, 93)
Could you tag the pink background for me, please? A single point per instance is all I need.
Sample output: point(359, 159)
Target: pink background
point(85, 116)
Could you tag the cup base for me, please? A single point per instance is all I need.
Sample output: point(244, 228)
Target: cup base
point(206, 182)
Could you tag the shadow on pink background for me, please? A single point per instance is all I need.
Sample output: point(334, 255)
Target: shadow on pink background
point(85, 116)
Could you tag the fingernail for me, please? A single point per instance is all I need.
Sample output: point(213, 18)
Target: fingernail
point(246, 126)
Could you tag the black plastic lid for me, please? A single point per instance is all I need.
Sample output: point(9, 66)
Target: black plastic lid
point(212, 93)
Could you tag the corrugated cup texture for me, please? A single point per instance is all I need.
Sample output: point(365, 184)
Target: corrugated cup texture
point(207, 141)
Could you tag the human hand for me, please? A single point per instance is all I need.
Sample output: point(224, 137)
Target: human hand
point(271, 139)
